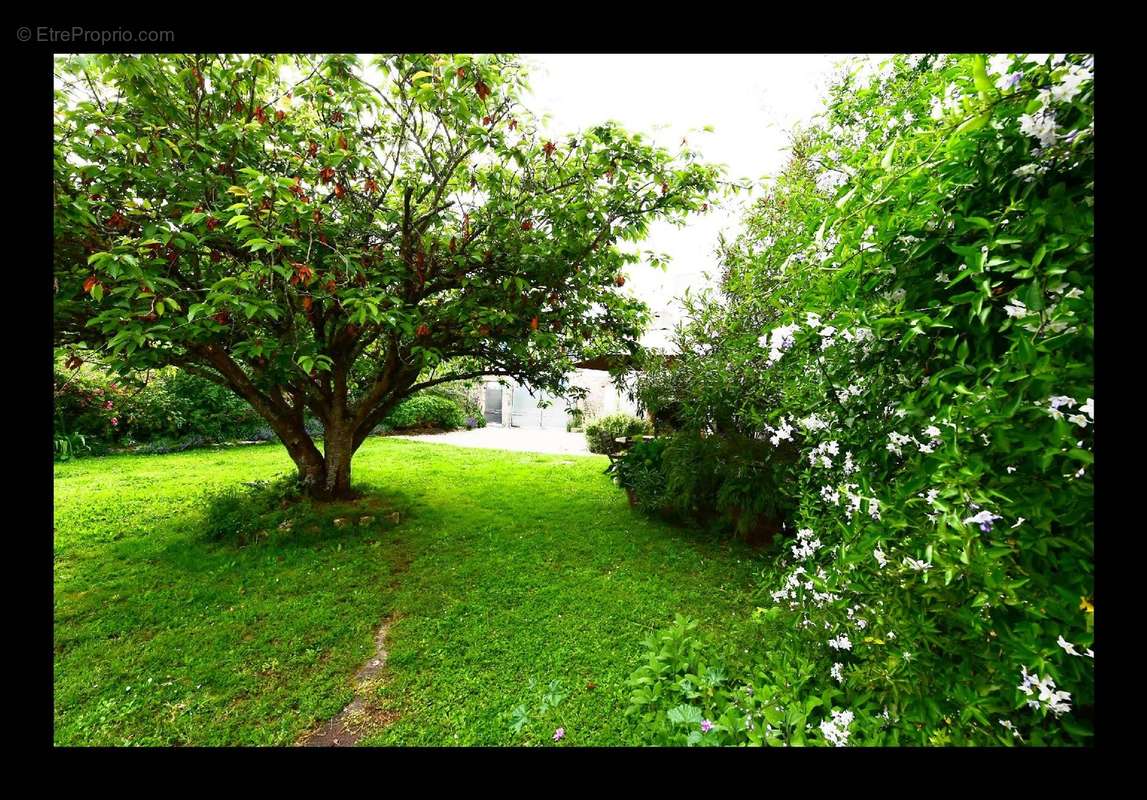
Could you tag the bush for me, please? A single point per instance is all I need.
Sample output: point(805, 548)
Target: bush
point(910, 310)
point(601, 433)
point(640, 471)
point(425, 411)
point(165, 409)
point(734, 481)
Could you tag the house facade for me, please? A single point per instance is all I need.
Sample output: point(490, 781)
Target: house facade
point(508, 403)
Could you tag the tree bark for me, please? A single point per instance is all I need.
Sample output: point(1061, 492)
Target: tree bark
point(338, 450)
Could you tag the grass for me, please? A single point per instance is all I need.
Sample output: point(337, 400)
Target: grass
point(510, 576)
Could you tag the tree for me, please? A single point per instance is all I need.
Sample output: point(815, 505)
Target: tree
point(325, 236)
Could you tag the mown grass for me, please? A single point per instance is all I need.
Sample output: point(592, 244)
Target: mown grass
point(507, 572)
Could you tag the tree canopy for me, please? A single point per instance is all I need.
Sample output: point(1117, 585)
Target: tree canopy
point(327, 236)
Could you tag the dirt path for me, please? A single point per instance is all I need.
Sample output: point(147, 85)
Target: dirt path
point(359, 717)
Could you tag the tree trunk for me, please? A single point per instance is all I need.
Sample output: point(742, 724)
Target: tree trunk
point(326, 475)
point(338, 449)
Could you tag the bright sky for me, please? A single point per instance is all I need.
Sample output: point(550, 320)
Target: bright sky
point(751, 101)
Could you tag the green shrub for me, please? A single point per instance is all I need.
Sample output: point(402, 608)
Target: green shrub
point(640, 471)
point(601, 433)
point(425, 411)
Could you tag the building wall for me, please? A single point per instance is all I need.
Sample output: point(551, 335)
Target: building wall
point(601, 396)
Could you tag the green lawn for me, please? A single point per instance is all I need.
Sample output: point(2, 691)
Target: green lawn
point(508, 571)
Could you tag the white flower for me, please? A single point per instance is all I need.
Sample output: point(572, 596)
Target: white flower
point(831, 180)
point(1054, 701)
point(1030, 171)
point(836, 729)
point(1078, 419)
point(891, 635)
point(836, 672)
point(841, 642)
point(1061, 400)
point(1067, 646)
point(1015, 308)
point(1000, 63)
point(919, 566)
point(1040, 126)
point(1088, 653)
point(780, 340)
point(1070, 84)
point(1019, 522)
point(848, 467)
point(1008, 724)
point(813, 423)
point(881, 559)
point(874, 508)
point(1088, 408)
point(1011, 470)
point(812, 319)
point(942, 277)
point(985, 519)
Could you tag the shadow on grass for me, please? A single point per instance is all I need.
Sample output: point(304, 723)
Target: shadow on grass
point(273, 512)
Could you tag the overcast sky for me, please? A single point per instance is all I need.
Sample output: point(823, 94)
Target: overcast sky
point(751, 101)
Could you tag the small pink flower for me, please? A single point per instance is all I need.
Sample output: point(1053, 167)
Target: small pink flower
point(115, 421)
point(706, 726)
point(560, 733)
point(108, 404)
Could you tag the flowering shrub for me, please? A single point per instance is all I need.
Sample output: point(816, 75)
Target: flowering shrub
point(166, 405)
point(911, 307)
